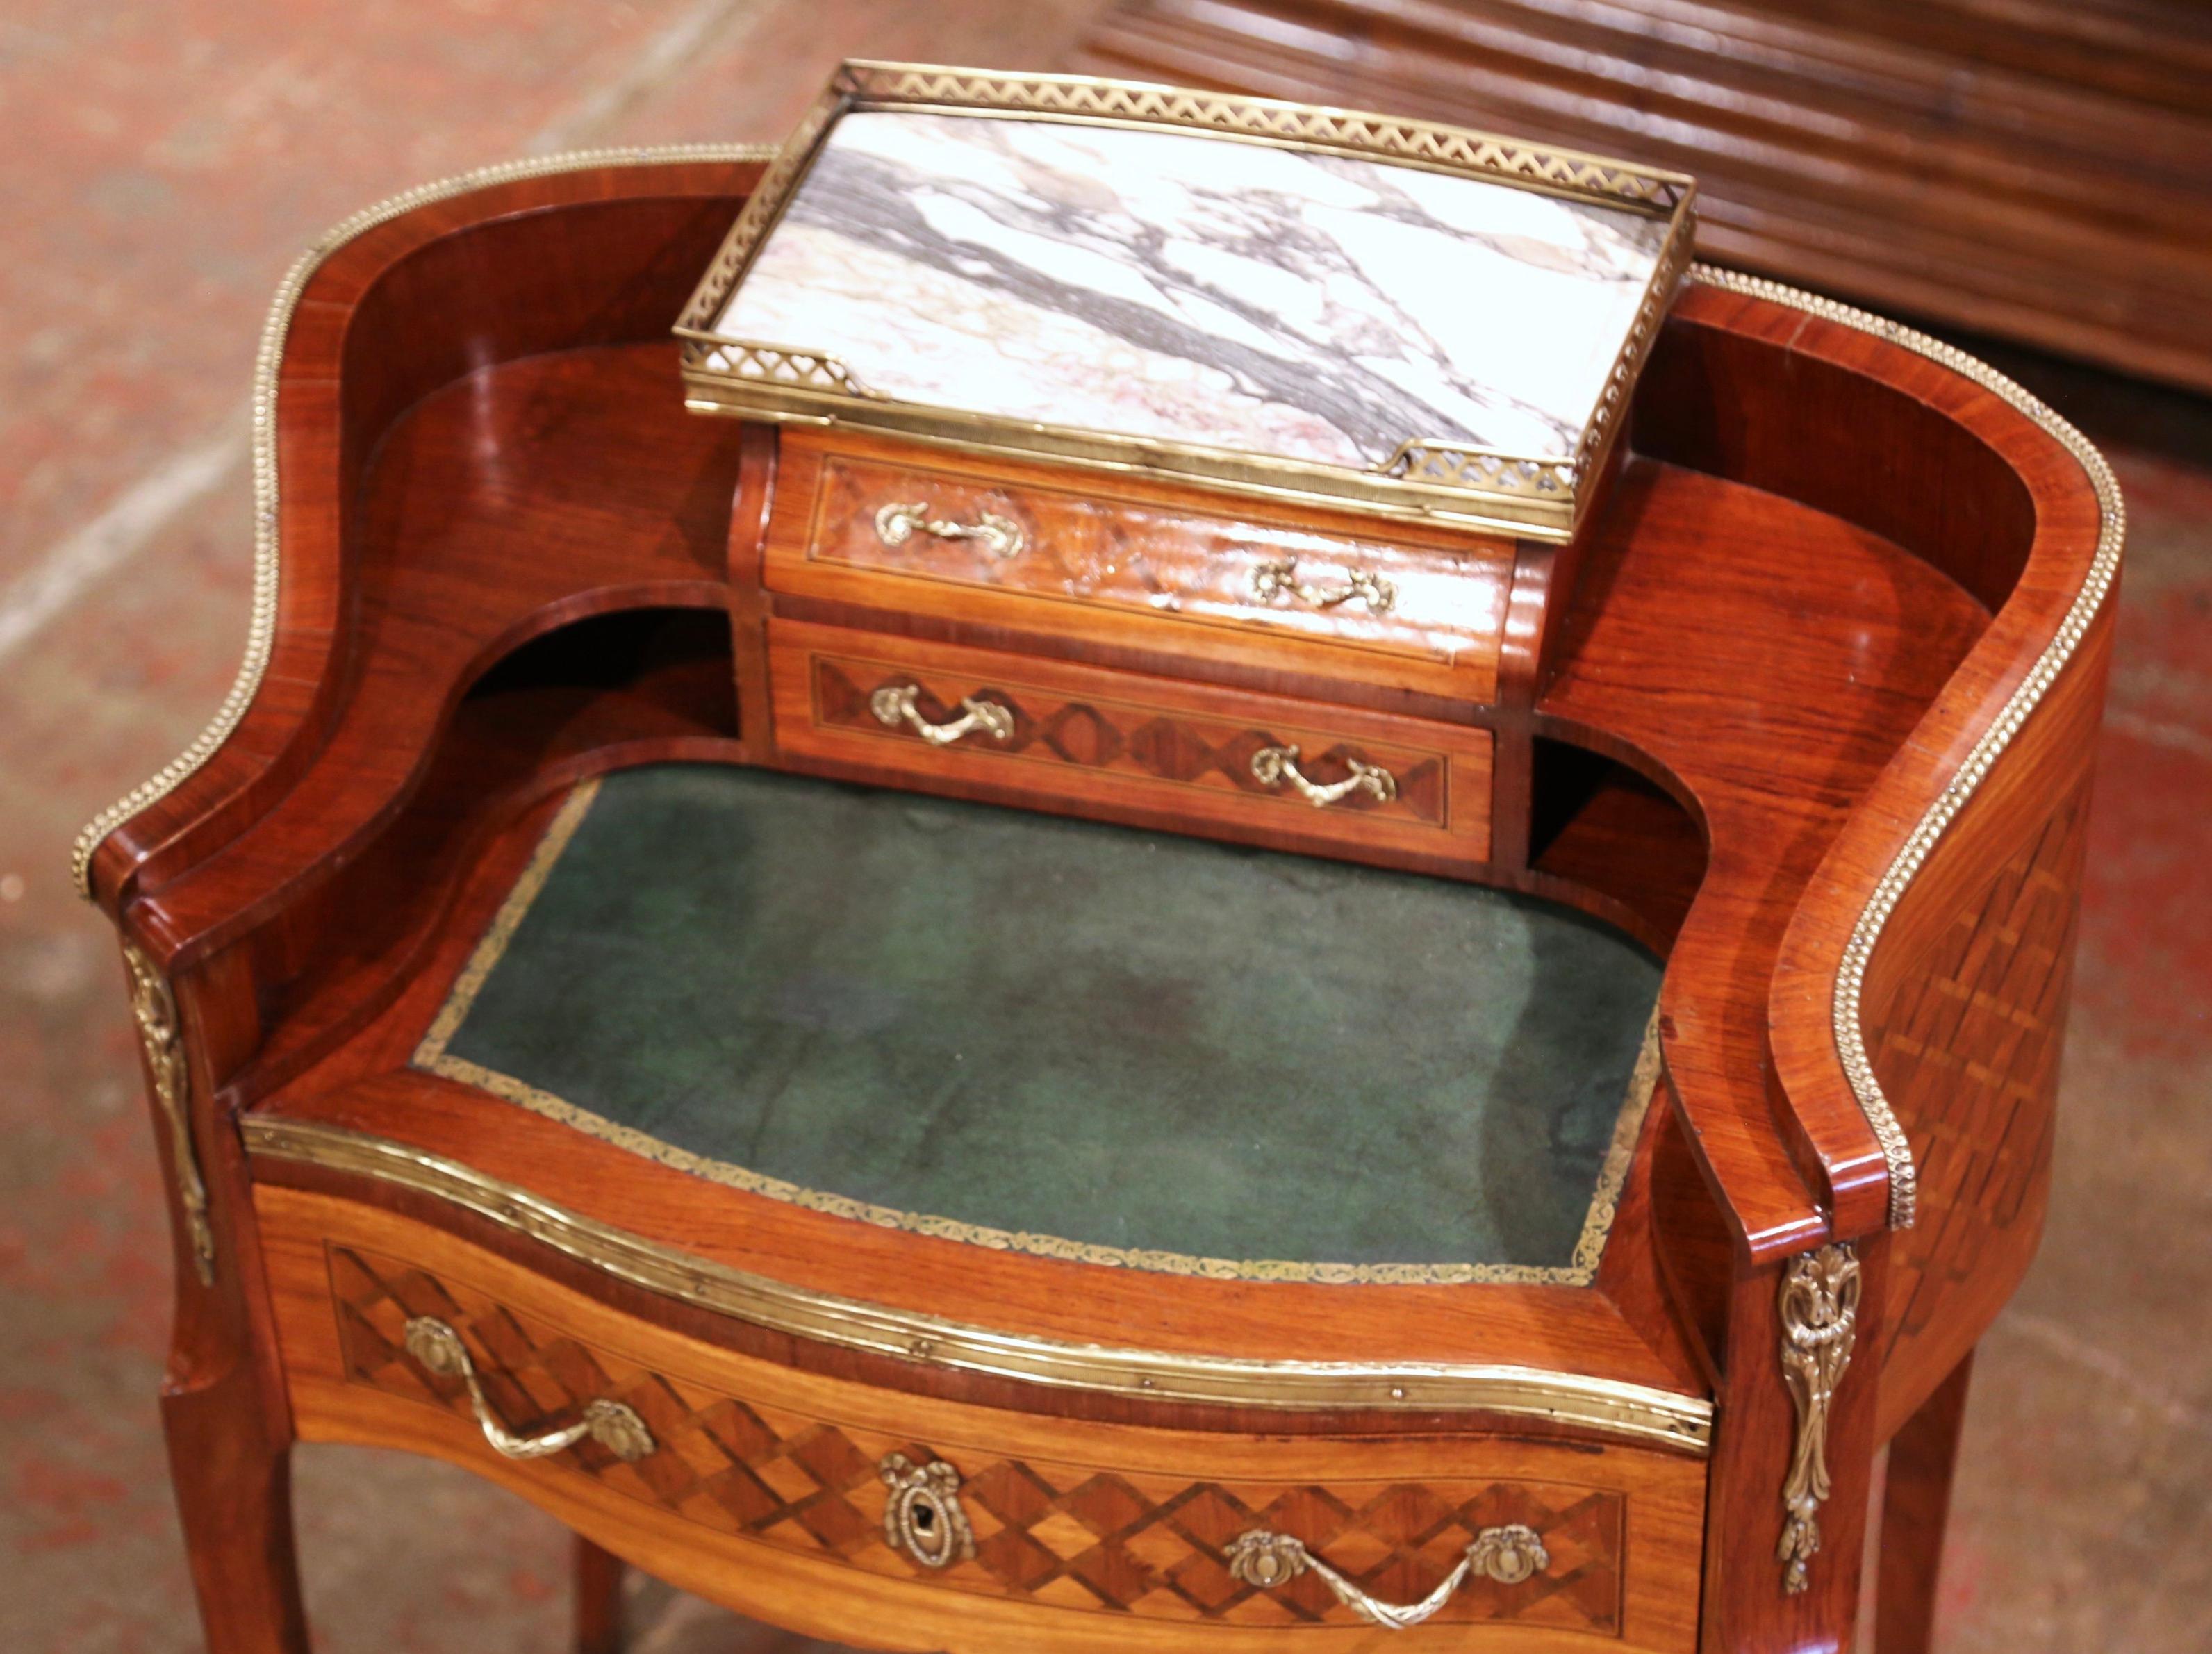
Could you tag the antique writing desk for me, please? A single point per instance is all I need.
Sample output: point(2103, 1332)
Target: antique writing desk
point(968, 1045)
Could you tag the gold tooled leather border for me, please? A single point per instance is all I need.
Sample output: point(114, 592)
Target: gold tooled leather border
point(1638, 1413)
point(432, 1056)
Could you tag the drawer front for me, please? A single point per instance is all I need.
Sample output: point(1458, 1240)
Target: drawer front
point(1119, 1540)
point(966, 544)
point(1239, 764)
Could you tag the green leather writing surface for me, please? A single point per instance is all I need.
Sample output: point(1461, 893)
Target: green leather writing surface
point(1063, 1036)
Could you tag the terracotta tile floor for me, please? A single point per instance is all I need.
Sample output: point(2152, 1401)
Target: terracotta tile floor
point(167, 162)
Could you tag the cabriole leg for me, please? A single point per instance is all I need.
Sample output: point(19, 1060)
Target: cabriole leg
point(1913, 1513)
point(599, 1600)
point(234, 1490)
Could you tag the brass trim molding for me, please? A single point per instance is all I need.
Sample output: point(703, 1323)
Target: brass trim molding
point(1849, 1036)
point(432, 1056)
point(1820, 1307)
point(261, 622)
point(1538, 496)
point(2096, 587)
point(162, 1032)
point(1633, 1413)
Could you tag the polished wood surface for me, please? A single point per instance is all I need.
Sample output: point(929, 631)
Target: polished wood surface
point(2038, 172)
point(599, 1586)
point(1112, 551)
point(771, 1474)
point(1916, 1505)
point(512, 560)
point(1119, 746)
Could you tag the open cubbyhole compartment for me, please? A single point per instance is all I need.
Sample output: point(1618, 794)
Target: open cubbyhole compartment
point(1604, 828)
point(631, 686)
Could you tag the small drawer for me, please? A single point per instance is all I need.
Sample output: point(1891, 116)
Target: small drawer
point(975, 545)
point(1218, 761)
point(744, 1478)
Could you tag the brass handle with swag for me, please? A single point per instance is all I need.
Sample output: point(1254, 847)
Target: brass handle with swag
point(1002, 536)
point(1270, 580)
point(439, 1349)
point(893, 704)
point(1273, 765)
point(1508, 1554)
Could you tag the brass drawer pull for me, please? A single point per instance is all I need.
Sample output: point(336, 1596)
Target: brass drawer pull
point(893, 704)
point(1273, 765)
point(923, 1516)
point(1509, 1555)
point(439, 1348)
point(1000, 535)
point(1270, 580)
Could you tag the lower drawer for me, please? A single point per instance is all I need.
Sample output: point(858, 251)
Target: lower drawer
point(1223, 761)
point(878, 1516)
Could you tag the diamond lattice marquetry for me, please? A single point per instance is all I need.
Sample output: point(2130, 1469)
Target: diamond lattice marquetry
point(1967, 1053)
point(1072, 1535)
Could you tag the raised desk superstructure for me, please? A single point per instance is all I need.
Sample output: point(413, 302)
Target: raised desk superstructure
point(1810, 721)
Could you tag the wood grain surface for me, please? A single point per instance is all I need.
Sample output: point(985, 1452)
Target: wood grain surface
point(511, 559)
point(2040, 174)
point(771, 1470)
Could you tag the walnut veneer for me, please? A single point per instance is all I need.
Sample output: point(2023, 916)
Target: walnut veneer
point(1832, 647)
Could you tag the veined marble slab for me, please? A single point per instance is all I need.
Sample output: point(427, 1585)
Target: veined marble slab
point(1200, 289)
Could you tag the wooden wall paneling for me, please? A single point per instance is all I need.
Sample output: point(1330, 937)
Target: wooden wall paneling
point(2041, 174)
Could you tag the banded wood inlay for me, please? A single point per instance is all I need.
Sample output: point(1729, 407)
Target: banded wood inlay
point(1095, 734)
point(1446, 605)
point(1072, 1535)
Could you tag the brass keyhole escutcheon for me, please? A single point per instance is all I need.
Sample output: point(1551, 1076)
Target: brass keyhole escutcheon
point(923, 1516)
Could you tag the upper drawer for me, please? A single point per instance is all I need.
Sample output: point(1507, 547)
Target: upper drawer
point(968, 542)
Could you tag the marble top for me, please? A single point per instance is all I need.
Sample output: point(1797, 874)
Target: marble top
point(1163, 284)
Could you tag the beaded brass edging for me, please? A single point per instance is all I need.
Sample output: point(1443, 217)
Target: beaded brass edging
point(261, 624)
point(1634, 1413)
point(1427, 477)
point(1850, 1041)
point(2103, 567)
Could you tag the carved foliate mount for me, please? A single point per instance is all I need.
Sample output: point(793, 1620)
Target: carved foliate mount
point(1819, 1320)
point(161, 1030)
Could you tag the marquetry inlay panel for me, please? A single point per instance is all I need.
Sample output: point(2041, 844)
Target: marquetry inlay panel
point(1094, 734)
point(1072, 1535)
point(1166, 564)
point(1968, 1053)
